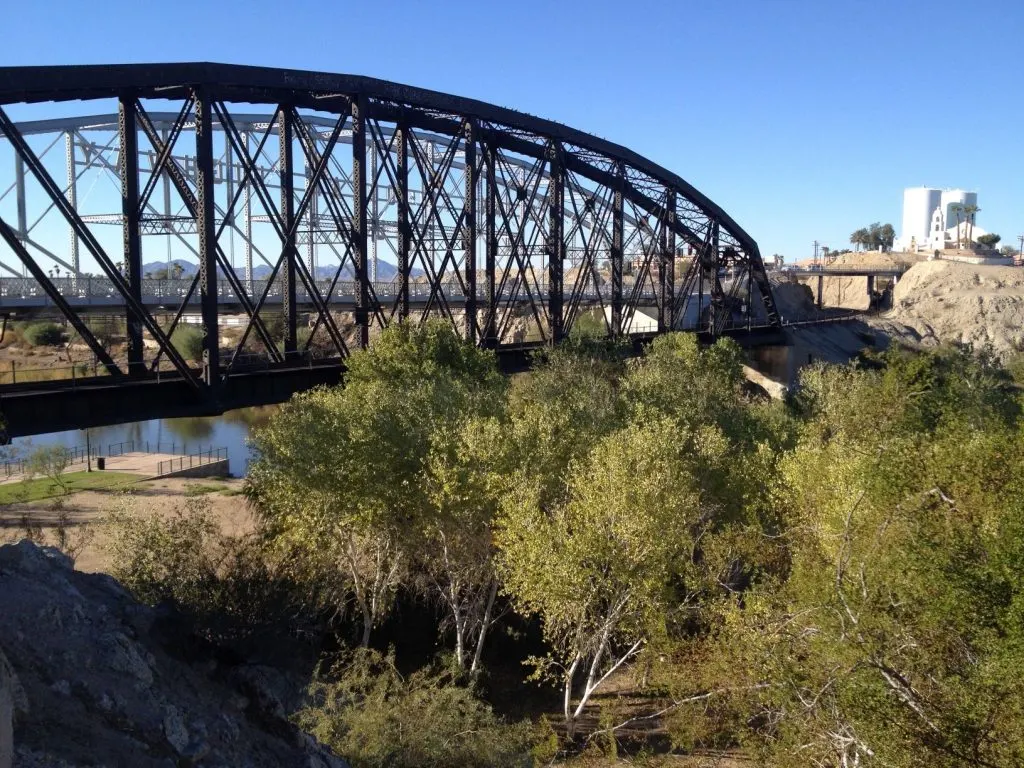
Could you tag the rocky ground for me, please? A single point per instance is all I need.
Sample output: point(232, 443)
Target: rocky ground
point(96, 679)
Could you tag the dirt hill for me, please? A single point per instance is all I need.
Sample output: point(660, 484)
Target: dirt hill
point(945, 301)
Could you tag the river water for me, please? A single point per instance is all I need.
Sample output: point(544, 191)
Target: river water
point(188, 435)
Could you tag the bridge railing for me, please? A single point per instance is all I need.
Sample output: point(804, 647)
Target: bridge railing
point(100, 291)
point(198, 459)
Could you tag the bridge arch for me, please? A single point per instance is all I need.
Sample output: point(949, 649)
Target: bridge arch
point(508, 225)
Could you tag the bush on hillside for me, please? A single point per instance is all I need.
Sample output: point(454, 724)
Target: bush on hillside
point(225, 584)
point(364, 709)
point(43, 334)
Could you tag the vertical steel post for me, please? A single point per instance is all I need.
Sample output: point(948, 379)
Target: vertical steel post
point(289, 252)
point(248, 223)
point(129, 168)
point(19, 193)
point(206, 228)
point(359, 218)
point(491, 256)
point(667, 276)
point(617, 249)
point(71, 153)
point(469, 232)
point(556, 241)
point(373, 182)
point(402, 200)
point(311, 216)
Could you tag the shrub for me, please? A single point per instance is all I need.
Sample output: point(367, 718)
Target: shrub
point(43, 334)
point(225, 585)
point(364, 709)
point(188, 341)
point(51, 461)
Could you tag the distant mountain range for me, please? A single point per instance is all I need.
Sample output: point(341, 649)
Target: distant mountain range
point(385, 270)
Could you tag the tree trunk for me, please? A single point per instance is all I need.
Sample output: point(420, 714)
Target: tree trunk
point(570, 721)
point(484, 627)
point(367, 625)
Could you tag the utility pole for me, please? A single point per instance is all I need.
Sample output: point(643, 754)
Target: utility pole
point(1020, 251)
point(816, 244)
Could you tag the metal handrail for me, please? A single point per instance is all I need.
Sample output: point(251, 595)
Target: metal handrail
point(198, 459)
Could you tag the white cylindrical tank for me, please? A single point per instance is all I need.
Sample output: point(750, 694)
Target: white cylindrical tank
point(918, 205)
point(953, 197)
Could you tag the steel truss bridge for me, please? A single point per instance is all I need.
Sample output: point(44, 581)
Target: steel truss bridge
point(341, 203)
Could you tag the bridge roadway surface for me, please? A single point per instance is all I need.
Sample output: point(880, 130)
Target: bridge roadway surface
point(63, 404)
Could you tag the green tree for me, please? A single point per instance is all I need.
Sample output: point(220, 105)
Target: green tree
point(991, 240)
point(368, 711)
point(188, 340)
point(598, 567)
point(890, 641)
point(860, 238)
point(347, 478)
point(43, 334)
point(969, 213)
point(51, 461)
point(958, 209)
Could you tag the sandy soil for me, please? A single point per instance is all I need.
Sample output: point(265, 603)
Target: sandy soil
point(87, 508)
point(946, 301)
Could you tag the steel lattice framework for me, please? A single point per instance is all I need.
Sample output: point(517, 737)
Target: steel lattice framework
point(507, 225)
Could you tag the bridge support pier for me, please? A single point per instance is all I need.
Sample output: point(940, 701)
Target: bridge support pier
point(820, 294)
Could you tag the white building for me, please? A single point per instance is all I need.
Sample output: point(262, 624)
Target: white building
point(931, 219)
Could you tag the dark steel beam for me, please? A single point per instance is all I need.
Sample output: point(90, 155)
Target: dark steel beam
point(404, 233)
point(11, 237)
point(556, 242)
point(174, 174)
point(207, 242)
point(129, 169)
point(288, 251)
point(85, 235)
point(315, 89)
point(469, 236)
point(359, 241)
point(667, 273)
point(491, 256)
point(616, 255)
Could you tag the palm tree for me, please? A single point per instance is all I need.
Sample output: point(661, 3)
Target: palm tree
point(957, 209)
point(970, 210)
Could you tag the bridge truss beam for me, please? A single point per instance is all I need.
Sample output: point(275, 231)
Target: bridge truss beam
point(509, 227)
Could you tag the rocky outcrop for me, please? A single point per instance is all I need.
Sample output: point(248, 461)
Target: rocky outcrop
point(102, 684)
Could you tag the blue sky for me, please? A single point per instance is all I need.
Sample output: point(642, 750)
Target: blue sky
point(805, 120)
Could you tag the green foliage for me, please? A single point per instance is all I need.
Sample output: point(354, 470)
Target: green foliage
point(230, 587)
point(990, 240)
point(50, 461)
point(364, 709)
point(189, 342)
point(891, 640)
point(43, 334)
point(164, 558)
point(875, 237)
point(347, 477)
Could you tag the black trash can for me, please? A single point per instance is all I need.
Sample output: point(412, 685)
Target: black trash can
point(101, 462)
